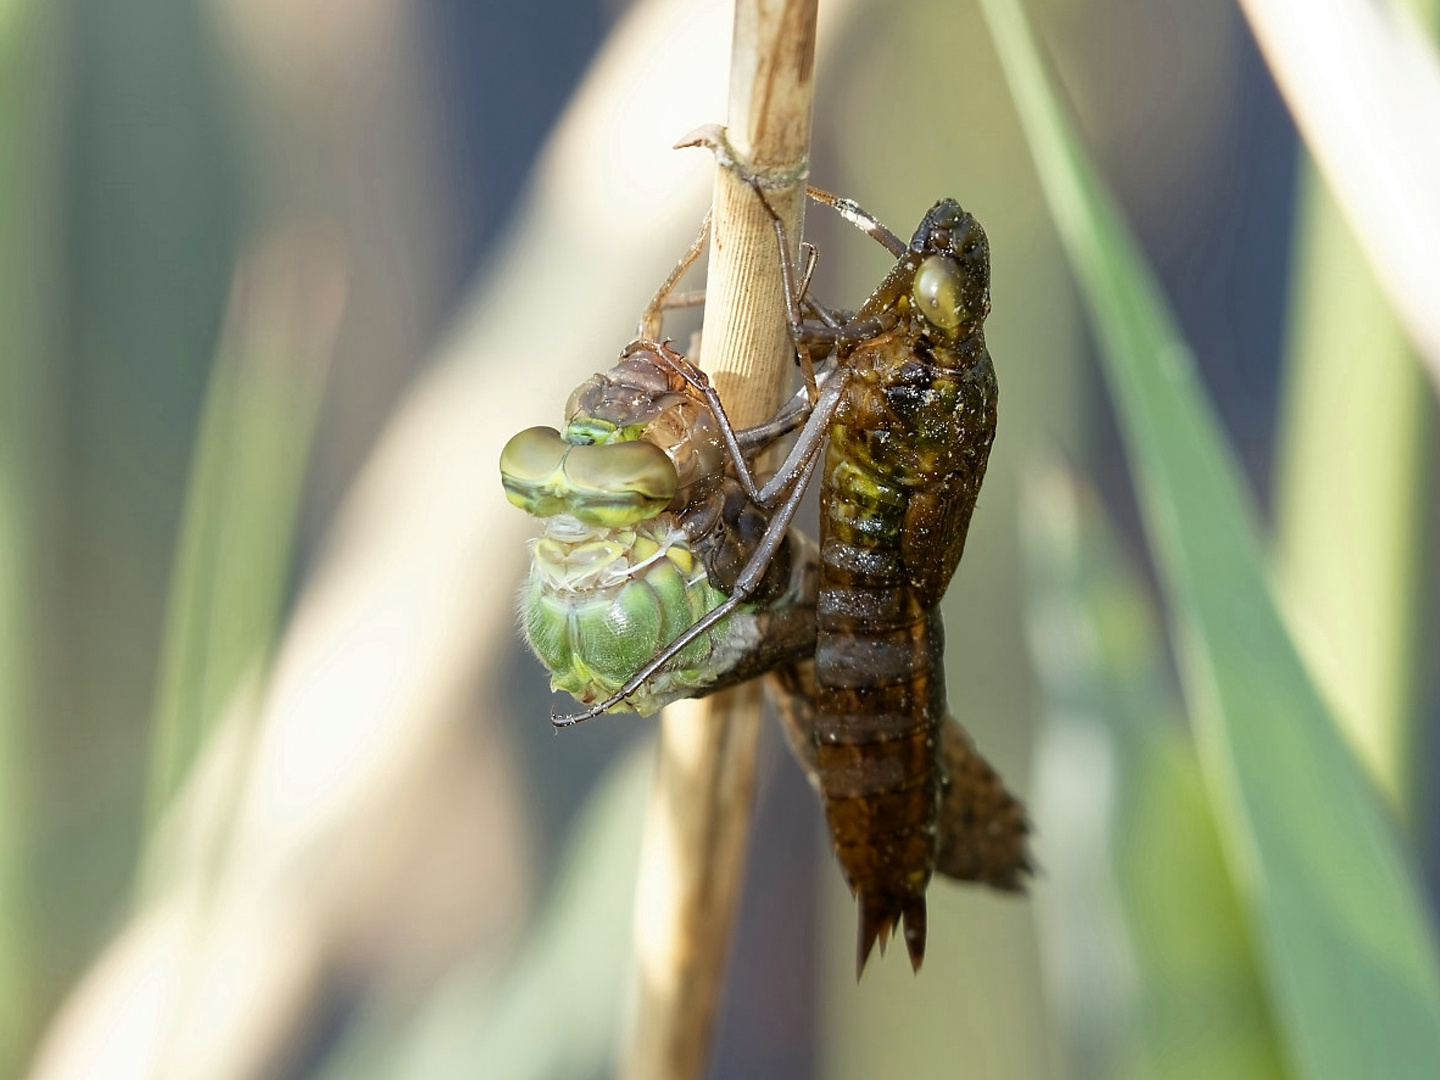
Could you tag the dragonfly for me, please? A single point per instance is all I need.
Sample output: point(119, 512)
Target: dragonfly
point(578, 603)
point(904, 424)
point(645, 532)
point(954, 813)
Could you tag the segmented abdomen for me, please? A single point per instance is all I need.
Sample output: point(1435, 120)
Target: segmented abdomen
point(881, 701)
point(600, 603)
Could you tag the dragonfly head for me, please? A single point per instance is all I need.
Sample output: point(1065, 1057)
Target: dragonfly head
point(951, 286)
point(609, 485)
point(653, 395)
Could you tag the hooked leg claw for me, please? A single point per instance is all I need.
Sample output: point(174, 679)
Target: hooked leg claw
point(563, 720)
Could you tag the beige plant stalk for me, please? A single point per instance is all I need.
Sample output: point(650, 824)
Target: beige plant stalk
point(694, 851)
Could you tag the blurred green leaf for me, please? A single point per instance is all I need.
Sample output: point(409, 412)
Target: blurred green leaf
point(27, 243)
point(233, 557)
point(1202, 1007)
point(1348, 948)
point(1154, 971)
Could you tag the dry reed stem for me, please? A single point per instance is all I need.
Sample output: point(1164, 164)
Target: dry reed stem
point(694, 849)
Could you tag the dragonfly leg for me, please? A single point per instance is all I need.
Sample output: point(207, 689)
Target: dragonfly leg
point(849, 334)
point(861, 218)
point(830, 318)
point(653, 315)
point(807, 371)
point(787, 418)
point(812, 433)
point(794, 298)
point(687, 299)
point(790, 416)
point(745, 584)
point(713, 137)
point(809, 256)
point(802, 351)
point(791, 690)
point(749, 440)
point(807, 302)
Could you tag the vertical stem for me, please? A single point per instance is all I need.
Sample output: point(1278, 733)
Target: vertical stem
point(695, 837)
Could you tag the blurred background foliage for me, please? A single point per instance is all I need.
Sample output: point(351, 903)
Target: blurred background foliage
point(246, 248)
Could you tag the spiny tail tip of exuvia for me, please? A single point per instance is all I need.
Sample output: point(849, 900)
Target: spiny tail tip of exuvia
point(877, 920)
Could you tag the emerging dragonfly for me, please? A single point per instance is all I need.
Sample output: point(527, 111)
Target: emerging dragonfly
point(588, 581)
point(645, 533)
point(905, 421)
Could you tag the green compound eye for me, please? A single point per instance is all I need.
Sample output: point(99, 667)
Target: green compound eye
point(619, 484)
point(937, 292)
point(612, 486)
point(529, 466)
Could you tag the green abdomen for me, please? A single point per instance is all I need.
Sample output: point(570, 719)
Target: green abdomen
point(598, 607)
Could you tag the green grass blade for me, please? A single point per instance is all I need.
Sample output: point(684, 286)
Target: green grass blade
point(1348, 948)
point(27, 244)
point(233, 557)
point(1153, 969)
